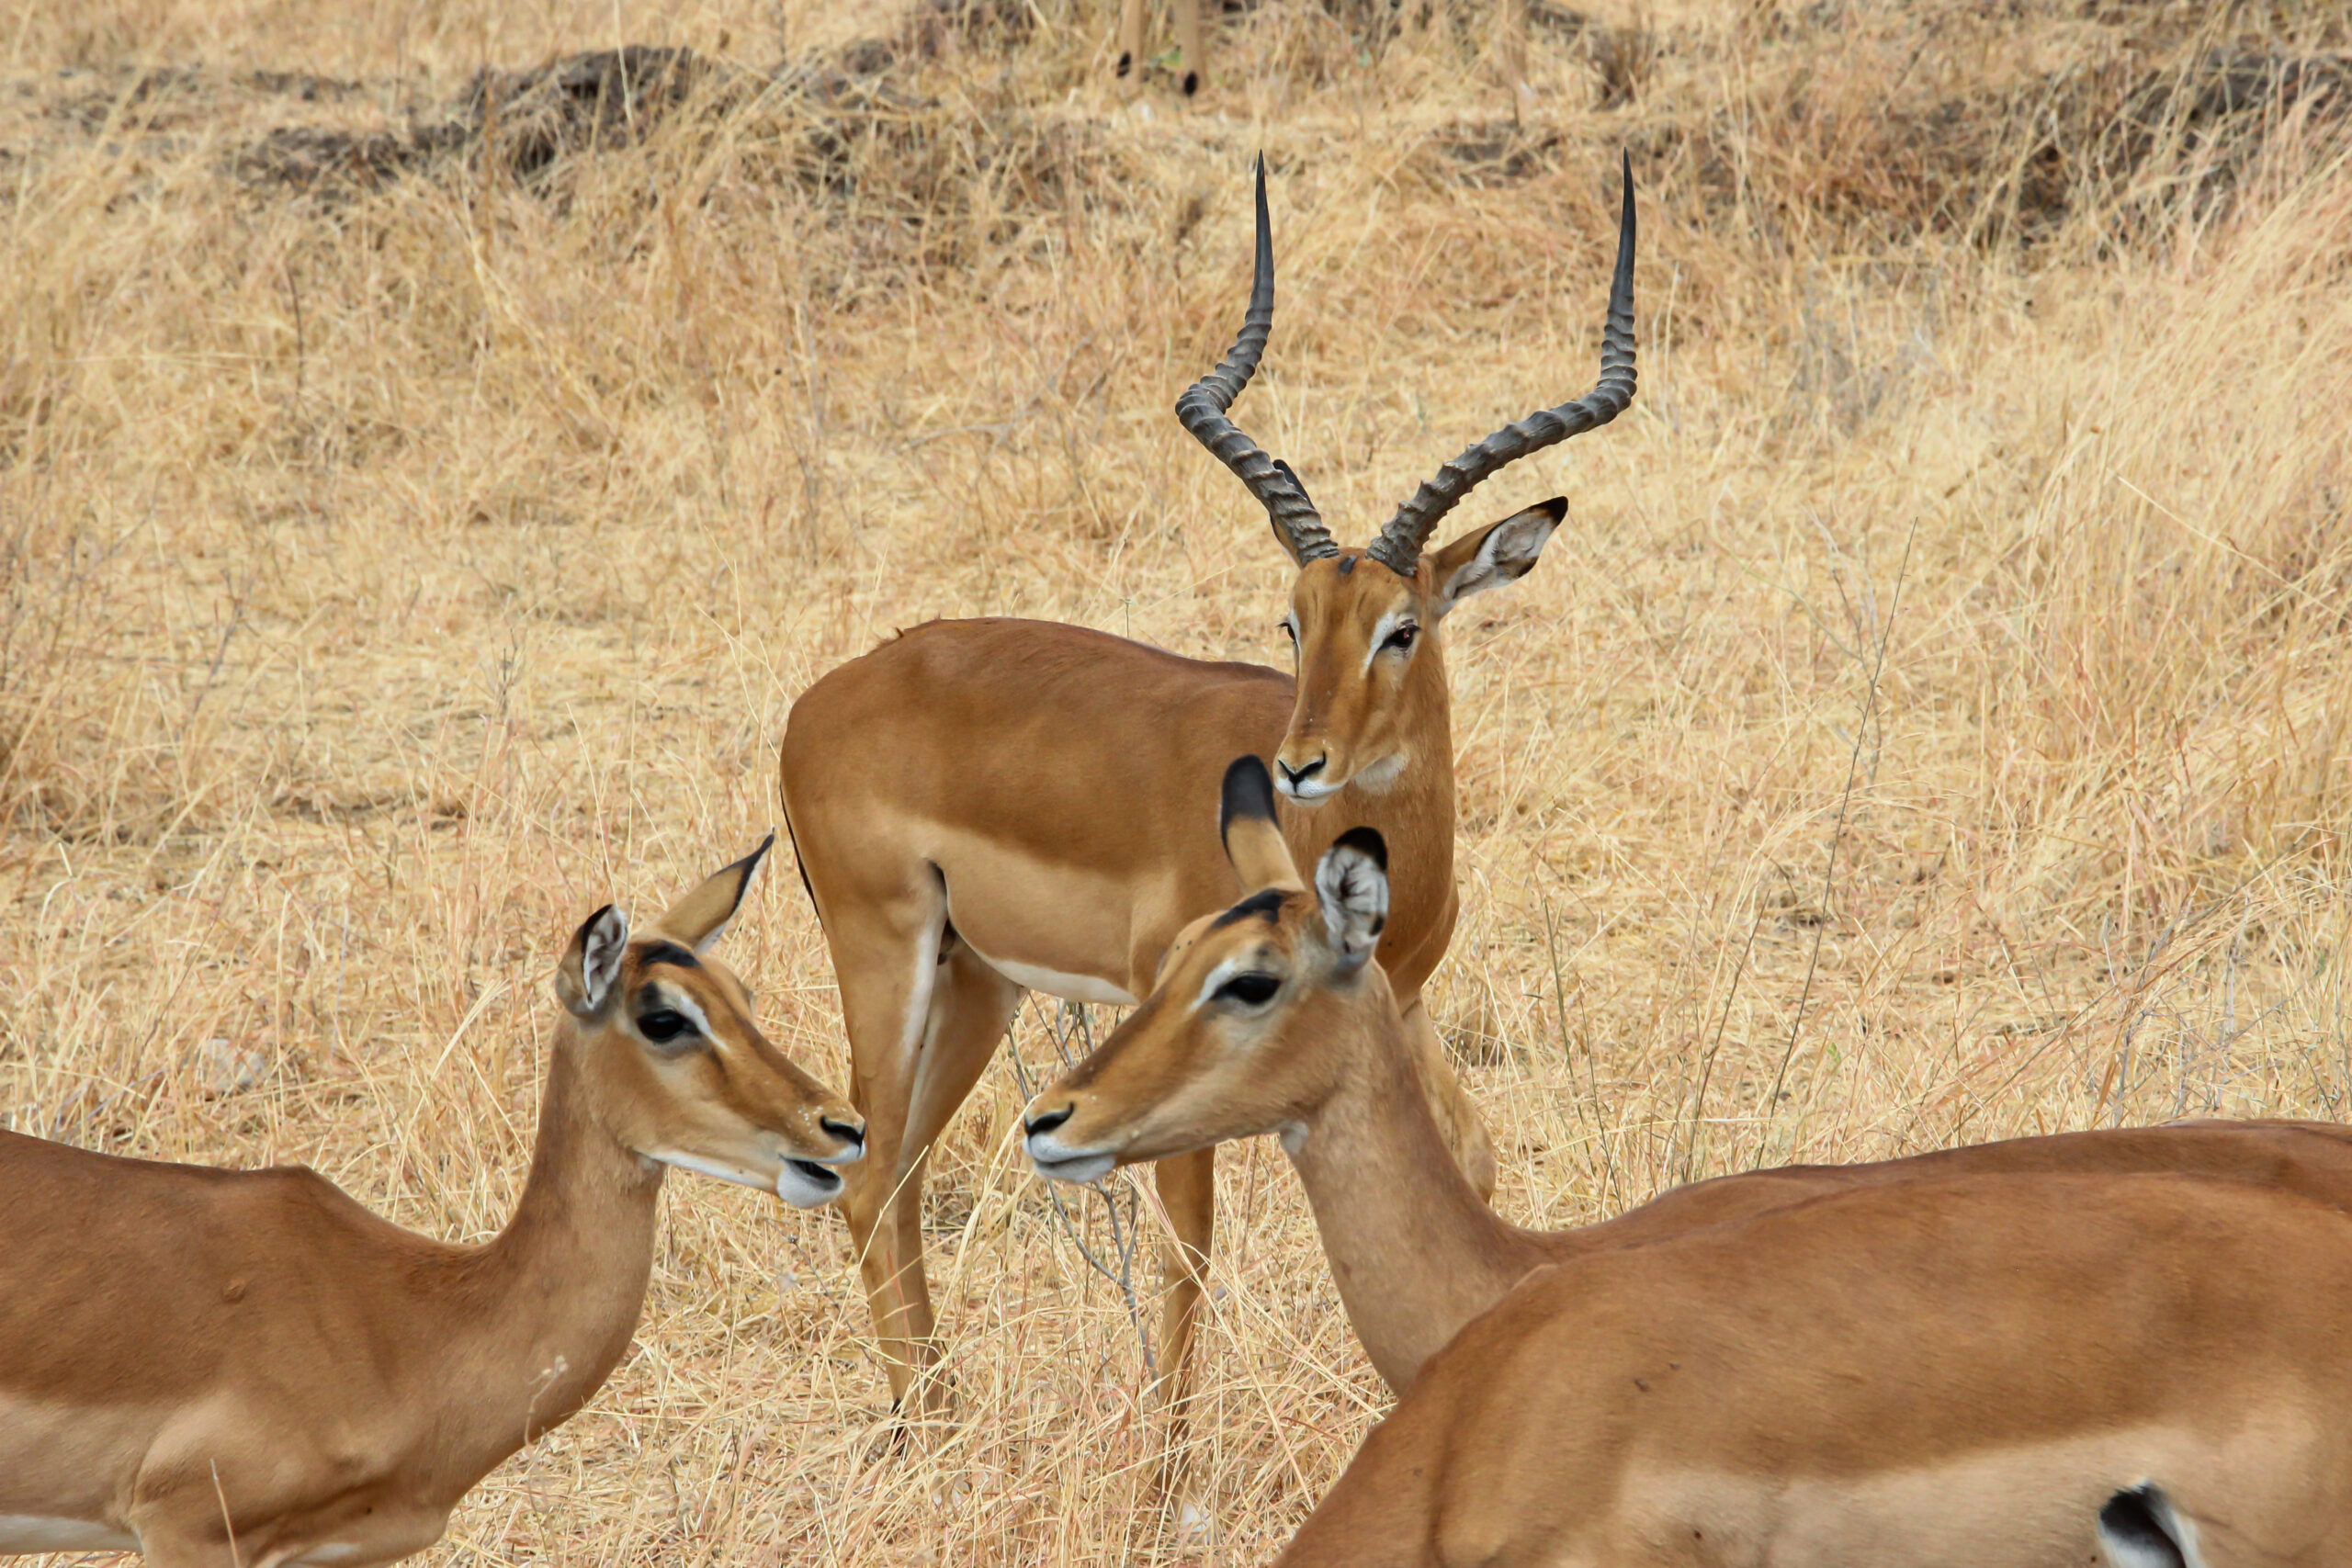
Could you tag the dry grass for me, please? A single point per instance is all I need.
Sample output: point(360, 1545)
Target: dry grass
point(1929, 728)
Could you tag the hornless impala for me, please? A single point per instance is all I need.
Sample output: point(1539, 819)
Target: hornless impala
point(989, 804)
point(2001, 1371)
point(247, 1370)
point(1266, 1018)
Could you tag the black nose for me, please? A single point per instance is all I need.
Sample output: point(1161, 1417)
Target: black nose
point(1294, 775)
point(847, 1132)
point(1048, 1122)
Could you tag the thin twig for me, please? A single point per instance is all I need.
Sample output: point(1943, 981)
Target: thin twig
point(1838, 834)
point(1070, 1021)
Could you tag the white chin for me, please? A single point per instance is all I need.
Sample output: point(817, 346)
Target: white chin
point(1080, 1168)
point(802, 1189)
point(1312, 793)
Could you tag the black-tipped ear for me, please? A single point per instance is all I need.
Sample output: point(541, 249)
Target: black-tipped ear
point(700, 917)
point(1490, 557)
point(592, 962)
point(1351, 886)
point(1252, 834)
point(1365, 841)
point(1248, 792)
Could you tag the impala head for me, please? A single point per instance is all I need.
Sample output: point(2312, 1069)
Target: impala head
point(1364, 622)
point(676, 1067)
point(1225, 1046)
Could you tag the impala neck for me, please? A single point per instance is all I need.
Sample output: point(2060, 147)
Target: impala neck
point(555, 1298)
point(1415, 810)
point(1416, 1254)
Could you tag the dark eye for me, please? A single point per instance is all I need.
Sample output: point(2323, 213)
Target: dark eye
point(1250, 990)
point(1402, 637)
point(1288, 630)
point(663, 1026)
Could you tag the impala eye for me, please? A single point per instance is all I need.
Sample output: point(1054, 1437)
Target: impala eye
point(1250, 990)
point(1288, 630)
point(1402, 637)
point(663, 1026)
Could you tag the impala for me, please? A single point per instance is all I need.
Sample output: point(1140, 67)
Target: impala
point(985, 806)
point(1268, 1019)
point(2018, 1371)
point(248, 1370)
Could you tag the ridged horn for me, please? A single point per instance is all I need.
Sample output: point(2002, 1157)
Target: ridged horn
point(1202, 409)
point(1399, 546)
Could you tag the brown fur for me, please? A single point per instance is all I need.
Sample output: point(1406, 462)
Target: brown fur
point(1935, 1370)
point(245, 1367)
point(1774, 1363)
point(1046, 790)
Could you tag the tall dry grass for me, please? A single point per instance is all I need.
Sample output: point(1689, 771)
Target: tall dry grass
point(421, 495)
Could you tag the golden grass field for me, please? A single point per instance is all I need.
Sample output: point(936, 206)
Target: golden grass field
point(416, 520)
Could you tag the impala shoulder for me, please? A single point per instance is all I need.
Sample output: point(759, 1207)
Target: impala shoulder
point(296, 1195)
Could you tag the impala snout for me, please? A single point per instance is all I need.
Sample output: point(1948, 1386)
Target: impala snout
point(1307, 782)
point(809, 1180)
point(1058, 1160)
point(850, 1131)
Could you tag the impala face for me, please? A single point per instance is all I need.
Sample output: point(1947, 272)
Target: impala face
point(1364, 622)
point(1204, 1059)
point(678, 1070)
point(1371, 675)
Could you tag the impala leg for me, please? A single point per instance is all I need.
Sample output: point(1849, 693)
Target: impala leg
point(1187, 1191)
point(1131, 42)
point(971, 1005)
point(887, 970)
point(1457, 1115)
point(1190, 34)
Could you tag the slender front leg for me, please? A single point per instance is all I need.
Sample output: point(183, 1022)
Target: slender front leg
point(1457, 1115)
point(971, 1005)
point(1187, 1191)
point(886, 957)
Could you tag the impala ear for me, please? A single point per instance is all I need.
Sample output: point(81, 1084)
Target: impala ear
point(1351, 884)
point(700, 917)
point(1489, 556)
point(1253, 837)
point(592, 962)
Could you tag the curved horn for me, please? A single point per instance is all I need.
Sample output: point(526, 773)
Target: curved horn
point(1399, 546)
point(1202, 409)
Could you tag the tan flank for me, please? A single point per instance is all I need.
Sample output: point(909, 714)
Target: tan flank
point(984, 806)
point(247, 1370)
point(2148, 1369)
point(1863, 1364)
point(1325, 1061)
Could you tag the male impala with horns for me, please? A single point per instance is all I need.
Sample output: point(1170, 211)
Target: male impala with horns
point(982, 807)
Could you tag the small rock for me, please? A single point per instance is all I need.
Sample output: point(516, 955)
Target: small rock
point(224, 1068)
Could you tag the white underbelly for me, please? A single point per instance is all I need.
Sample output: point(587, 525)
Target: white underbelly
point(1054, 983)
point(22, 1534)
